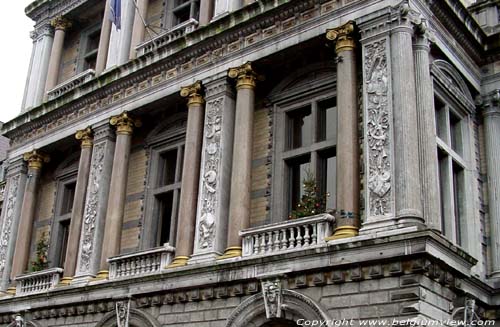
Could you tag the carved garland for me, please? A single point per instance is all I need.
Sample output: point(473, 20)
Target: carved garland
point(9, 217)
point(378, 128)
point(210, 176)
point(91, 207)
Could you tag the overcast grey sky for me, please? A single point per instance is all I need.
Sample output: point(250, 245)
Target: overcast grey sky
point(14, 57)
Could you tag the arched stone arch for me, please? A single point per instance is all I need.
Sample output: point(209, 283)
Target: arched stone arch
point(174, 124)
point(137, 318)
point(452, 80)
point(252, 311)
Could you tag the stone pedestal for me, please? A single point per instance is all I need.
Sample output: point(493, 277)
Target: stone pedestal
point(86, 138)
point(138, 28)
point(426, 128)
point(347, 130)
point(35, 160)
point(491, 116)
point(16, 185)
point(96, 202)
point(102, 51)
point(215, 181)
point(60, 25)
point(117, 189)
point(241, 177)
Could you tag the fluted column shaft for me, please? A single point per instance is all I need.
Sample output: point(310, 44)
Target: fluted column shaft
point(60, 25)
point(407, 181)
point(86, 138)
point(426, 129)
point(241, 175)
point(138, 28)
point(102, 51)
point(190, 175)
point(35, 161)
point(347, 133)
point(492, 142)
point(117, 191)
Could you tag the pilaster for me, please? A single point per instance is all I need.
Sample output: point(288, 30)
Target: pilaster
point(16, 183)
point(491, 114)
point(96, 203)
point(215, 172)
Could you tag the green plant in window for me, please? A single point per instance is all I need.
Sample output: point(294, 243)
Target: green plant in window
point(313, 202)
point(41, 261)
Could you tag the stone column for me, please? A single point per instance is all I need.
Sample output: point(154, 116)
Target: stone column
point(190, 175)
point(215, 181)
point(60, 25)
point(241, 178)
point(35, 161)
point(85, 137)
point(407, 178)
point(206, 11)
point(102, 51)
point(28, 101)
point(117, 190)
point(491, 114)
point(96, 202)
point(347, 131)
point(138, 28)
point(426, 129)
point(16, 185)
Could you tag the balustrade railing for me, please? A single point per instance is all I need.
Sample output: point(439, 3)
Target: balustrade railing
point(38, 282)
point(291, 235)
point(71, 84)
point(163, 39)
point(140, 263)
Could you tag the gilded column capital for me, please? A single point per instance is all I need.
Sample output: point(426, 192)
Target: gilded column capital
point(193, 93)
point(61, 23)
point(343, 36)
point(246, 77)
point(124, 123)
point(36, 159)
point(86, 137)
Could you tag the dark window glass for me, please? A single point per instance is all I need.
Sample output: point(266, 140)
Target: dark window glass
point(441, 129)
point(168, 162)
point(63, 241)
point(458, 198)
point(300, 126)
point(327, 120)
point(299, 170)
point(68, 198)
point(328, 176)
point(456, 133)
point(166, 206)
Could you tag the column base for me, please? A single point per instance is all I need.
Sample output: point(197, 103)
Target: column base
point(231, 252)
point(179, 261)
point(11, 291)
point(65, 281)
point(102, 275)
point(343, 232)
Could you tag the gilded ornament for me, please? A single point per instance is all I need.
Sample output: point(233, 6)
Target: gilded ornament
point(86, 137)
point(343, 35)
point(245, 75)
point(61, 23)
point(36, 159)
point(193, 93)
point(124, 123)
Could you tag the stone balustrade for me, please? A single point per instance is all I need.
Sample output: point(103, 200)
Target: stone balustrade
point(141, 263)
point(290, 235)
point(71, 84)
point(38, 282)
point(163, 39)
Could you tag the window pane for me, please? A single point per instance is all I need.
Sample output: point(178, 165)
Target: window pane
point(165, 203)
point(441, 125)
point(444, 192)
point(456, 133)
point(63, 241)
point(328, 177)
point(458, 199)
point(300, 126)
point(298, 169)
point(168, 163)
point(68, 198)
point(327, 120)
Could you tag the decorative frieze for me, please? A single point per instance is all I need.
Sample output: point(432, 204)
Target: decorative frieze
point(378, 128)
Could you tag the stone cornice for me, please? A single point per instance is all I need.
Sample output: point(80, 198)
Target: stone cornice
point(44, 10)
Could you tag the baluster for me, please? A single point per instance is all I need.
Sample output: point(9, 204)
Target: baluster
point(292, 238)
point(307, 238)
point(277, 243)
point(262, 247)
point(270, 242)
point(284, 239)
point(299, 237)
point(314, 234)
point(255, 244)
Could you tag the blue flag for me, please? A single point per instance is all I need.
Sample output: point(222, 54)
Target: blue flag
point(116, 13)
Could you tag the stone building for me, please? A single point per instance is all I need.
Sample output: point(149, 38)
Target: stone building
point(154, 167)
